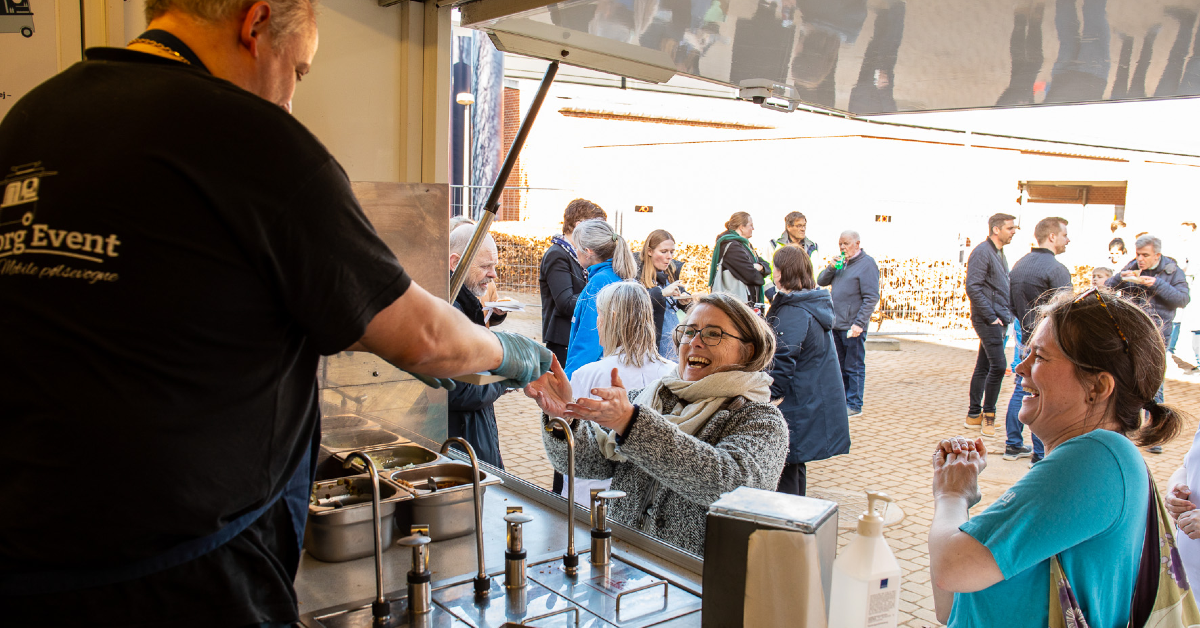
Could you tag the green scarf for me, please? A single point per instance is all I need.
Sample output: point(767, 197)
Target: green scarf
point(727, 237)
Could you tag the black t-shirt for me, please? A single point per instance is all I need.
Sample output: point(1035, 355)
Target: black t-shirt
point(175, 255)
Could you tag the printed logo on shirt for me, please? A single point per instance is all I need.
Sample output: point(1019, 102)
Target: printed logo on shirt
point(1006, 498)
point(21, 235)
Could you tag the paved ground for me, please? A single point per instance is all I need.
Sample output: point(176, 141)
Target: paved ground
point(914, 397)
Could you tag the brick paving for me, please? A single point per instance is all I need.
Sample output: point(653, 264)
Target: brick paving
point(914, 397)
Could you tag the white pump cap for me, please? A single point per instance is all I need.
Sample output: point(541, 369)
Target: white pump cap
point(870, 523)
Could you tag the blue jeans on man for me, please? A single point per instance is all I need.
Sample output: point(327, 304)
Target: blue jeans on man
point(1013, 426)
point(852, 355)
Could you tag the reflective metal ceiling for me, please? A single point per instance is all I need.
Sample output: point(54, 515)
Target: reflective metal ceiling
point(879, 56)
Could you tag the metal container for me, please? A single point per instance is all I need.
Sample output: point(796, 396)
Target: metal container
point(350, 440)
point(397, 458)
point(346, 422)
point(340, 522)
point(731, 521)
point(449, 510)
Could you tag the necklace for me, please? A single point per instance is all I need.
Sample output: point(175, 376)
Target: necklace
point(160, 47)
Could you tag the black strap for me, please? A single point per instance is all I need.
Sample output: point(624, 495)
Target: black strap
point(1145, 587)
point(176, 44)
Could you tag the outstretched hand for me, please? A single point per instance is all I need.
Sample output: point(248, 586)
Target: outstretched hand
point(551, 391)
point(1178, 501)
point(957, 463)
point(612, 410)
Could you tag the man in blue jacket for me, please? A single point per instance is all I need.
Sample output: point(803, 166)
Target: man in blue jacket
point(991, 313)
point(1155, 282)
point(855, 289)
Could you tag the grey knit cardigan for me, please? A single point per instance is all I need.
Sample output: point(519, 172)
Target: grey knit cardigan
point(744, 448)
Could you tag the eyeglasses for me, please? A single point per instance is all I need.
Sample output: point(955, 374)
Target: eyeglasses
point(1089, 292)
point(711, 335)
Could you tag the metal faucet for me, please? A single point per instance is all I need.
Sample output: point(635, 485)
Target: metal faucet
point(514, 555)
point(419, 577)
point(570, 559)
point(483, 583)
point(381, 610)
point(601, 533)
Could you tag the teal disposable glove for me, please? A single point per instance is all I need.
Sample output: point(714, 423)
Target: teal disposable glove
point(524, 360)
point(433, 382)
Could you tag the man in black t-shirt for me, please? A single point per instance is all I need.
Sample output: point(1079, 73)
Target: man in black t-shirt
point(176, 252)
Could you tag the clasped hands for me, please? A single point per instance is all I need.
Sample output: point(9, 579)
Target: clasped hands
point(1183, 511)
point(957, 463)
point(554, 396)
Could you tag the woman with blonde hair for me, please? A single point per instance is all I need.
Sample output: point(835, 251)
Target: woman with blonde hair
point(607, 258)
point(659, 273)
point(630, 348)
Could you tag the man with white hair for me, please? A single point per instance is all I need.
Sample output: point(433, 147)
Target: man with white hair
point(854, 279)
point(178, 253)
point(470, 408)
point(1158, 285)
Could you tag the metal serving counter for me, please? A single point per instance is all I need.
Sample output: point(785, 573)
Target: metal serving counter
point(331, 593)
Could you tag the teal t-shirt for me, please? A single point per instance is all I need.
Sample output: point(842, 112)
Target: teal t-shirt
point(1086, 502)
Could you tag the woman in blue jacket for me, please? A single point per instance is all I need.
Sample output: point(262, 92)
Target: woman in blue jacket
point(807, 377)
point(608, 259)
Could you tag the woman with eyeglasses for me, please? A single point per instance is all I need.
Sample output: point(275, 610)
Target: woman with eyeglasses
point(676, 445)
point(1095, 361)
point(806, 374)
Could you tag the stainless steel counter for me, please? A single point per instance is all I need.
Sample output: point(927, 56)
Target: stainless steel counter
point(323, 586)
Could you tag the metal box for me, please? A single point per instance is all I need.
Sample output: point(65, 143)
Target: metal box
point(731, 521)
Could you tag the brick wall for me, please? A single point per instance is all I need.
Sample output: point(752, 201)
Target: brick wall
point(510, 200)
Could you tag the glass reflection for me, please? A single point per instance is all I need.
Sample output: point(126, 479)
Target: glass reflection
point(940, 54)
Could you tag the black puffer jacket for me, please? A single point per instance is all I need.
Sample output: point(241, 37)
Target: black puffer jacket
point(469, 407)
point(987, 285)
point(1169, 292)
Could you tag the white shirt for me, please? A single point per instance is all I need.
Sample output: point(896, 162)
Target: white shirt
point(1189, 550)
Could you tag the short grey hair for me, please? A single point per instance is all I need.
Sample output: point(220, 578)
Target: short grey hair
point(852, 234)
point(288, 17)
point(461, 237)
point(1149, 240)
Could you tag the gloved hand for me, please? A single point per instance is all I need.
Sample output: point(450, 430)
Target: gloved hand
point(434, 382)
point(524, 360)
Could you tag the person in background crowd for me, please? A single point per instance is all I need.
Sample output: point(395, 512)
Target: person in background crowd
point(562, 276)
point(806, 375)
point(734, 252)
point(795, 226)
point(470, 414)
point(855, 294)
point(1035, 278)
point(608, 259)
point(493, 293)
point(1100, 274)
point(1117, 252)
point(1157, 284)
point(623, 319)
point(1183, 242)
point(677, 445)
point(658, 272)
point(991, 312)
point(1095, 362)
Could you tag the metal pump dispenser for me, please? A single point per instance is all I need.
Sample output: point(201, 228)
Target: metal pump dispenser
point(419, 577)
point(601, 533)
point(380, 608)
point(570, 559)
point(482, 582)
point(514, 555)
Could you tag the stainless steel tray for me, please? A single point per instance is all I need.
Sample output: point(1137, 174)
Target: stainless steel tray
point(343, 529)
point(395, 457)
point(351, 440)
point(346, 422)
point(449, 511)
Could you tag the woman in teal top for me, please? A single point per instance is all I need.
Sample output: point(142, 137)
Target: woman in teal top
point(607, 258)
point(1095, 362)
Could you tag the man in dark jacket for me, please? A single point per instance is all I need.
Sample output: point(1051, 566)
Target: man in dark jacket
point(855, 289)
point(991, 313)
point(806, 375)
point(1156, 283)
point(561, 278)
point(1035, 279)
point(469, 407)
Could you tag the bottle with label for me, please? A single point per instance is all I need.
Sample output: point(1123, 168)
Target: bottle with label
point(840, 262)
point(866, 576)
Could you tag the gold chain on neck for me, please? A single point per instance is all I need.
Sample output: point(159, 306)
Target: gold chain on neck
point(161, 47)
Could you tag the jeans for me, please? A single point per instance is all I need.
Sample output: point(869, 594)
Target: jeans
point(794, 480)
point(1174, 337)
point(852, 355)
point(1013, 426)
point(989, 368)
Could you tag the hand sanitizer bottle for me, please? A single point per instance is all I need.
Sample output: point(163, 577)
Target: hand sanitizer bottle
point(866, 576)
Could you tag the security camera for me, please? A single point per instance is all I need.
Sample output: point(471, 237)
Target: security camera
point(768, 94)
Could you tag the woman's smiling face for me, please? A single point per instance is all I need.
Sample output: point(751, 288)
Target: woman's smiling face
point(698, 360)
point(1057, 403)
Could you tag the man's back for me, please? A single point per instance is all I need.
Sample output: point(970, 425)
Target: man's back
point(182, 352)
point(1034, 278)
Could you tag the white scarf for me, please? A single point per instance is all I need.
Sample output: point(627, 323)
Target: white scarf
point(700, 400)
